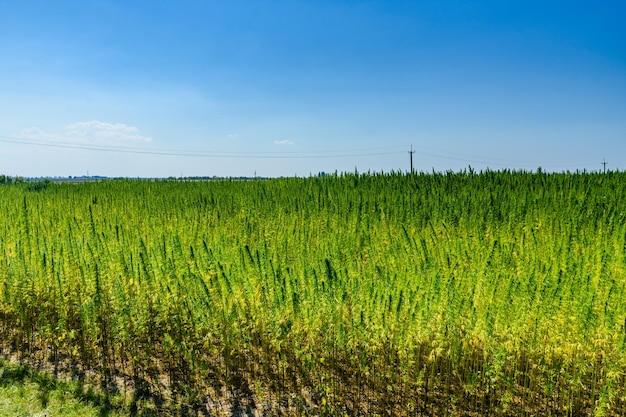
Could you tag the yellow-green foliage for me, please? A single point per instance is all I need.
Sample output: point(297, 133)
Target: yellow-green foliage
point(494, 292)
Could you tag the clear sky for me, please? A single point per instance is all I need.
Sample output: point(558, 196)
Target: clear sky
point(278, 88)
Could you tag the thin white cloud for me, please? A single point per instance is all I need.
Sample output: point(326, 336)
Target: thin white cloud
point(93, 132)
point(33, 133)
point(283, 142)
point(232, 136)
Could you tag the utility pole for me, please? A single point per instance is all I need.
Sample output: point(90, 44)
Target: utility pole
point(604, 164)
point(411, 152)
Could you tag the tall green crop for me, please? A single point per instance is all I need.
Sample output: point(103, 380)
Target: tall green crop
point(491, 293)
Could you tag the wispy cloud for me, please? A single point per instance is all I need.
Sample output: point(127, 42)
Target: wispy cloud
point(93, 132)
point(232, 136)
point(283, 142)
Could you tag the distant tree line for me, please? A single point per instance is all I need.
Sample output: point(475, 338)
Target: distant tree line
point(5, 179)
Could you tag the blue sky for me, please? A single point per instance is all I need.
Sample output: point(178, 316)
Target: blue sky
point(163, 88)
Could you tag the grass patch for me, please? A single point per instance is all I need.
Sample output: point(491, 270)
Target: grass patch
point(24, 392)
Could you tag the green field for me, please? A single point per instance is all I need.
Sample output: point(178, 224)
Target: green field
point(492, 293)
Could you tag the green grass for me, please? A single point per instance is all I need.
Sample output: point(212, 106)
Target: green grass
point(27, 393)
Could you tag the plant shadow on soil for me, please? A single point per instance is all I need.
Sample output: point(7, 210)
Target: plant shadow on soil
point(46, 385)
point(20, 375)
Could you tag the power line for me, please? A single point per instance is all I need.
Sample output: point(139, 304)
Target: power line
point(457, 156)
point(507, 164)
point(205, 154)
point(320, 154)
